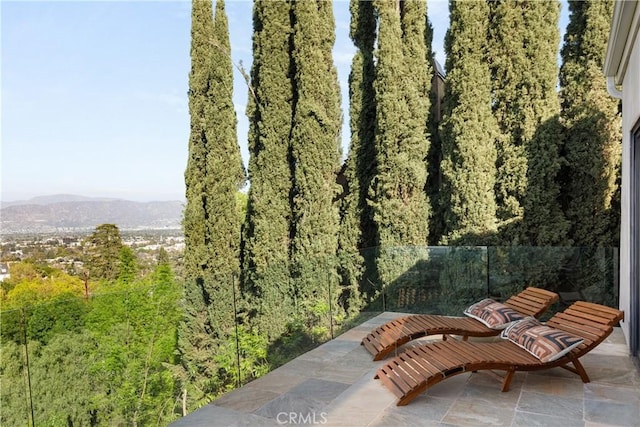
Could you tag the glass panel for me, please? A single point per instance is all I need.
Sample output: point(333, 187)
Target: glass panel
point(437, 279)
point(445, 280)
point(575, 273)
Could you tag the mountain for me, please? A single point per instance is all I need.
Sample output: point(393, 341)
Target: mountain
point(77, 213)
point(55, 198)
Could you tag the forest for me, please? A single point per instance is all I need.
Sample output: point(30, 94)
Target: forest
point(508, 177)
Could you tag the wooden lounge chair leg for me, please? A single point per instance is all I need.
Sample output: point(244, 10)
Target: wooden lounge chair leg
point(411, 395)
point(581, 371)
point(577, 369)
point(506, 383)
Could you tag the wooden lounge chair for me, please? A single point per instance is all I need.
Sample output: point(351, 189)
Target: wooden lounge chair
point(421, 367)
point(388, 337)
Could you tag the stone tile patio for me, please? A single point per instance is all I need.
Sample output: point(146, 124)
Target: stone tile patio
point(333, 385)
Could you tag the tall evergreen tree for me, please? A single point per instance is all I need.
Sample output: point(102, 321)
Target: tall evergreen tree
point(468, 130)
point(103, 252)
point(356, 226)
point(315, 153)
point(523, 53)
point(267, 230)
point(544, 220)
point(417, 67)
point(194, 333)
point(128, 265)
point(211, 225)
point(592, 122)
point(400, 206)
point(418, 62)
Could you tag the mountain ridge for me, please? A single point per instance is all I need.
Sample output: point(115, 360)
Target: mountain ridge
point(59, 213)
point(64, 197)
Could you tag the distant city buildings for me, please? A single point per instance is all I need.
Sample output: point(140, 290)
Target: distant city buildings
point(65, 252)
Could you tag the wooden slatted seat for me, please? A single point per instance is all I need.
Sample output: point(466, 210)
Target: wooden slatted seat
point(388, 337)
point(414, 371)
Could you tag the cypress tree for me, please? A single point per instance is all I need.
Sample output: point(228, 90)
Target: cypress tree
point(592, 124)
point(523, 53)
point(418, 68)
point(545, 223)
point(315, 154)
point(356, 226)
point(398, 198)
point(544, 220)
point(468, 130)
point(211, 225)
point(270, 108)
point(194, 333)
point(418, 63)
point(224, 124)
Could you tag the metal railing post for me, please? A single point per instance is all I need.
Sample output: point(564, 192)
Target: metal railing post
point(330, 304)
point(235, 321)
point(26, 353)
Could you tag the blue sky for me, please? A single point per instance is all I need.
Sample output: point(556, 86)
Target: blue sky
point(94, 94)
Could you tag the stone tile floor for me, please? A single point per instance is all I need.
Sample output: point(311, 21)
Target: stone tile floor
point(333, 385)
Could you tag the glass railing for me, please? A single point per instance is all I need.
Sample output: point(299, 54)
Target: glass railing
point(111, 358)
point(445, 280)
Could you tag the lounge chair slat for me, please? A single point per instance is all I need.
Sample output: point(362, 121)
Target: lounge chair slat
point(445, 357)
point(578, 331)
point(532, 301)
point(405, 379)
point(388, 334)
point(578, 322)
point(421, 367)
point(393, 382)
point(596, 314)
point(593, 317)
point(436, 362)
point(572, 319)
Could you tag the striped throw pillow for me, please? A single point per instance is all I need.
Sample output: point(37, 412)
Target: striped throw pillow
point(544, 342)
point(493, 314)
